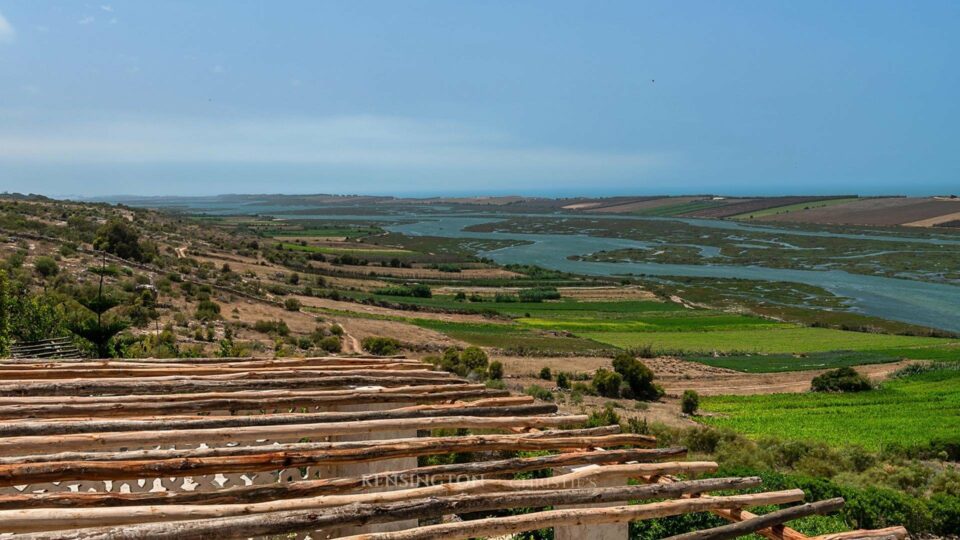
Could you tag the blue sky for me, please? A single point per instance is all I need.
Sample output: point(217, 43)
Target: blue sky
point(547, 97)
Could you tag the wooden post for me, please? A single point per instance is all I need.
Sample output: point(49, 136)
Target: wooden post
point(605, 531)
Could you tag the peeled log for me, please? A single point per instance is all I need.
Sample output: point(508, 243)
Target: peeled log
point(55, 518)
point(309, 488)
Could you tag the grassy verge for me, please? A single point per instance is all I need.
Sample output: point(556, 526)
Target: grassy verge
point(904, 412)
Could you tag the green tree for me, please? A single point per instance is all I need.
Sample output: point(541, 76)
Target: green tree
point(637, 376)
point(690, 402)
point(119, 238)
point(96, 329)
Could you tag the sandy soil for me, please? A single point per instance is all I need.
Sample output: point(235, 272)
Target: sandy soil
point(932, 222)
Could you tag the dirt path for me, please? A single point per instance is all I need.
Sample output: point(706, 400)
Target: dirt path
point(351, 345)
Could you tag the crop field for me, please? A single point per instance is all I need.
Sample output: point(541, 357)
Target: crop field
point(778, 210)
point(762, 340)
point(778, 363)
point(911, 412)
point(513, 338)
point(336, 250)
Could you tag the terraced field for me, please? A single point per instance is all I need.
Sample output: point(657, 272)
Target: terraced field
point(908, 412)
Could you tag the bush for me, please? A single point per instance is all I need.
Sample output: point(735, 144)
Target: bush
point(545, 374)
point(330, 344)
point(690, 402)
point(637, 376)
point(495, 371)
point(272, 327)
point(539, 392)
point(563, 381)
point(291, 304)
point(604, 417)
point(46, 267)
point(473, 359)
point(607, 383)
point(845, 379)
point(380, 346)
point(207, 310)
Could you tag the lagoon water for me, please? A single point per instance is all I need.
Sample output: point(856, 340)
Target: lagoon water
point(929, 304)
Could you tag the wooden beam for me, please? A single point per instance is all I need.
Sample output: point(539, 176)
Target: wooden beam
point(173, 406)
point(65, 427)
point(898, 533)
point(766, 521)
point(436, 474)
point(123, 465)
point(287, 522)
point(142, 372)
point(13, 446)
point(581, 516)
point(27, 520)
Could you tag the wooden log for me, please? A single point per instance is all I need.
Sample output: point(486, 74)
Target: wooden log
point(239, 381)
point(430, 475)
point(244, 364)
point(766, 521)
point(120, 465)
point(143, 372)
point(13, 446)
point(114, 409)
point(897, 533)
point(644, 441)
point(28, 520)
point(582, 516)
point(287, 522)
point(47, 428)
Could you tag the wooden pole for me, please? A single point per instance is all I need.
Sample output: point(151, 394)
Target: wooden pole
point(27, 520)
point(13, 446)
point(66, 427)
point(287, 522)
point(766, 521)
point(117, 466)
point(582, 516)
point(431, 475)
point(173, 406)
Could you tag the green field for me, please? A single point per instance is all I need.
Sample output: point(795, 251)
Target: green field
point(512, 338)
point(793, 208)
point(763, 340)
point(344, 251)
point(908, 412)
point(774, 363)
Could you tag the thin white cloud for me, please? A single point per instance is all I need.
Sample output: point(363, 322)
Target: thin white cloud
point(107, 8)
point(86, 20)
point(355, 142)
point(7, 33)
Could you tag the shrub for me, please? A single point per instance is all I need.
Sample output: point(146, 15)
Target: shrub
point(330, 344)
point(539, 392)
point(604, 417)
point(380, 346)
point(291, 304)
point(46, 267)
point(336, 329)
point(607, 383)
point(845, 379)
point(278, 327)
point(418, 290)
point(495, 371)
point(207, 310)
point(690, 402)
point(545, 374)
point(563, 381)
point(473, 359)
point(637, 376)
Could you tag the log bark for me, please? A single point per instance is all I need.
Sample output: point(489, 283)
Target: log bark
point(898, 533)
point(582, 516)
point(239, 381)
point(145, 408)
point(766, 521)
point(309, 488)
point(46, 428)
point(286, 522)
point(13, 446)
point(158, 463)
point(139, 372)
point(52, 519)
